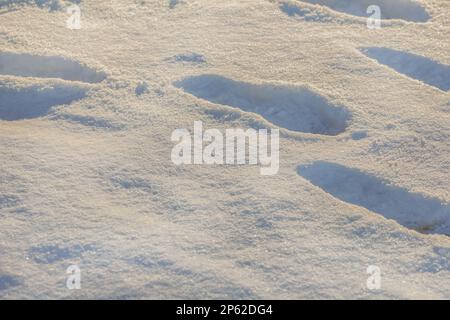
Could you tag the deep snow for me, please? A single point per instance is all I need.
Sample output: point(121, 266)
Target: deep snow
point(86, 178)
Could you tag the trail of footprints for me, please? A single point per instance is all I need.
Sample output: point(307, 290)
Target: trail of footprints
point(30, 98)
point(295, 108)
point(302, 109)
point(412, 210)
point(415, 66)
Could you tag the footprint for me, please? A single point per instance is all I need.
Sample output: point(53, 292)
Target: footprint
point(27, 65)
point(412, 210)
point(32, 101)
point(417, 67)
point(407, 10)
point(290, 107)
point(51, 5)
point(9, 281)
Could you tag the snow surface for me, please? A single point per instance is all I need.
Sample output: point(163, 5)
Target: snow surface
point(86, 178)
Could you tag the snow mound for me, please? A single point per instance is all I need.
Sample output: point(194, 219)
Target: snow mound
point(407, 10)
point(290, 107)
point(417, 67)
point(27, 65)
point(18, 103)
point(412, 210)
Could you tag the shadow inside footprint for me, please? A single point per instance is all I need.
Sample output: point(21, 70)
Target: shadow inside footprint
point(18, 103)
point(414, 66)
point(412, 210)
point(291, 107)
point(9, 281)
point(408, 10)
point(28, 65)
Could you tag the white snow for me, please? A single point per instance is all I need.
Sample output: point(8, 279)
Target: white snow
point(86, 178)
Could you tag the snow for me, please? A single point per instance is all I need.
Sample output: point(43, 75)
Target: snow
point(86, 178)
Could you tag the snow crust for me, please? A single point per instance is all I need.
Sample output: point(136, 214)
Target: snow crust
point(86, 179)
